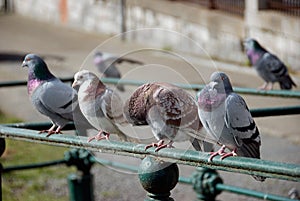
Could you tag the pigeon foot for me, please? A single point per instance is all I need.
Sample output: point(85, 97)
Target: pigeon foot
point(266, 86)
point(160, 145)
point(99, 136)
point(221, 152)
point(233, 153)
point(51, 131)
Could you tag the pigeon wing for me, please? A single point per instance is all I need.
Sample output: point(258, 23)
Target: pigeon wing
point(112, 106)
point(238, 117)
point(274, 68)
point(57, 97)
point(176, 107)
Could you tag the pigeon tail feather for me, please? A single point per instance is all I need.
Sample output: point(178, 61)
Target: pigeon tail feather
point(250, 148)
point(287, 83)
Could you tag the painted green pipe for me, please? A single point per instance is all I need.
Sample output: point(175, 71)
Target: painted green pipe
point(38, 125)
point(24, 82)
point(184, 180)
point(241, 191)
point(242, 165)
point(247, 192)
point(275, 111)
point(250, 91)
point(32, 166)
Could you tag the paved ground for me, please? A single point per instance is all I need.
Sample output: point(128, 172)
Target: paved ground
point(280, 135)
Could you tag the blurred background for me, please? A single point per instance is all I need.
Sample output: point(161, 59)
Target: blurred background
point(178, 41)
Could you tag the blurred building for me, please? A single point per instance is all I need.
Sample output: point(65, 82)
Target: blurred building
point(218, 26)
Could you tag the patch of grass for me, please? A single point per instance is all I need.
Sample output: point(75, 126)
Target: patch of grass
point(48, 183)
point(8, 119)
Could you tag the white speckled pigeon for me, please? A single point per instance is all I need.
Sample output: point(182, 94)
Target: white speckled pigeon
point(226, 117)
point(101, 106)
point(268, 66)
point(50, 96)
point(106, 64)
point(169, 111)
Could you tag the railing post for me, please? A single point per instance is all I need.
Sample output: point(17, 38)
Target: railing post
point(158, 178)
point(2, 149)
point(80, 185)
point(204, 183)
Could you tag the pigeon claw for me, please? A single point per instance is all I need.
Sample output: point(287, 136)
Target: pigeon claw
point(99, 136)
point(233, 153)
point(221, 152)
point(159, 145)
point(266, 86)
point(53, 132)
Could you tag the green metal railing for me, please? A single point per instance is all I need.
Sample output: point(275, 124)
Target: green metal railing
point(188, 157)
point(205, 180)
point(72, 157)
point(250, 91)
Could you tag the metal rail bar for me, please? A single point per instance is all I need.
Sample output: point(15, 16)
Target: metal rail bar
point(24, 82)
point(242, 165)
point(39, 125)
point(241, 191)
point(256, 112)
point(31, 166)
point(275, 111)
point(188, 180)
point(250, 91)
point(134, 169)
point(252, 193)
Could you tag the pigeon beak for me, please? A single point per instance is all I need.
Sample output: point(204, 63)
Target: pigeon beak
point(74, 84)
point(245, 43)
point(213, 84)
point(24, 64)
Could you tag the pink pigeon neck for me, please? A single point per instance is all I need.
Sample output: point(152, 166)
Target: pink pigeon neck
point(32, 85)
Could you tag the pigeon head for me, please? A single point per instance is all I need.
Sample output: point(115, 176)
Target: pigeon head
point(98, 57)
point(252, 44)
point(37, 67)
point(220, 82)
point(214, 93)
point(83, 76)
point(98, 54)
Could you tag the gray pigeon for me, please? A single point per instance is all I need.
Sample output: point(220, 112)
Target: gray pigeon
point(106, 64)
point(227, 119)
point(50, 96)
point(169, 111)
point(268, 66)
point(101, 106)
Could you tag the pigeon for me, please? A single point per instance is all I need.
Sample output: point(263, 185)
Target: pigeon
point(101, 106)
point(227, 119)
point(170, 112)
point(106, 64)
point(268, 66)
point(50, 96)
